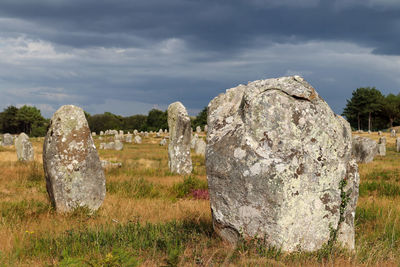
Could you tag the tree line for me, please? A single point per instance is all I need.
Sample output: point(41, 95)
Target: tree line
point(29, 119)
point(368, 109)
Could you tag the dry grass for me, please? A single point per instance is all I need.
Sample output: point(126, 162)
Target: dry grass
point(29, 225)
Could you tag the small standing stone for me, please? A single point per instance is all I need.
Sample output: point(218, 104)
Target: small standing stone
point(205, 128)
point(93, 133)
point(101, 133)
point(24, 148)
point(198, 129)
point(193, 141)
point(179, 159)
point(7, 140)
point(163, 142)
point(128, 138)
point(364, 149)
point(398, 144)
point(382, 140)
point(381, 149)
point(137, 139)
point(74, 175)
point(393, 133)
point(380, 133)
point(118, 145)
point(200, 147)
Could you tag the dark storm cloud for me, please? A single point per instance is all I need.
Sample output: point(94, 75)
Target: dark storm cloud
point(208, 24)
point(129, 55)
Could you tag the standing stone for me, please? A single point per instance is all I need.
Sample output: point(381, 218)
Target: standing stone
point(163, 142)
point(102, 145)
point(118, 145)
point(200, 147)
point(93, 133)
point(393, 133)
point(278, 160)
point(74, 176)
point(158, 135)
point(24, 148)
point(380, 133)
point(382, 140)
point(128, 138)
point(121, 132)
point(146, 134)
point(198, 129)
point(7, 140)
point(205, 128)
point(193, 141)
point(135, 132)
point(137, 139)
point(364, 149)
point(381, 149)
point(398, 144)
point(179, 159)
point(165, 131)
point(101, 133)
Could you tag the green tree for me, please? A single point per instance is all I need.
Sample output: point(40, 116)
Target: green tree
point(201, 118)
point(28, 118)
point(391, 108)
point(365, 102)
point(9, 120)
point(138, 122)
point(157, 119)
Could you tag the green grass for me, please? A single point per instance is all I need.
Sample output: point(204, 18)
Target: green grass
point(94, 244)
point(382, 188)
point(12, 213)
point(188, 184)
point(136, 188)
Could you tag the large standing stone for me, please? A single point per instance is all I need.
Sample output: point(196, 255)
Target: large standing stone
point(7, 140)
point(179, 159)
point(278, 161)
point(393, 133)
point(24, 148)
point(381, 149)
point(364, 149)
point(74, 176)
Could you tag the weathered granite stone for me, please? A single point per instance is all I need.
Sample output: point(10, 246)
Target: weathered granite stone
point(121, 132)
point(163, 142)
point(198, 129)
point(102, 145)
point(108, 164)
point(393, 133)
point(24, 148)
point(137, 139)
point(278, 161)
point(158, 135)
point(193, 141)
point(205, 128)
point(381, 149)
point(382, 140)
point(398, 144)
point(7, 140)
point(179, 159)
point(200, 147)
point(101, 133)
point(118, 145)
point(128, 138)
point(135, 132)
point(379, 132)
point(364, 149)
point(93, 133)
point(165, 131)
point(74, 176)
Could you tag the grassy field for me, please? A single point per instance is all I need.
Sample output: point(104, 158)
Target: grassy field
point(151, 217)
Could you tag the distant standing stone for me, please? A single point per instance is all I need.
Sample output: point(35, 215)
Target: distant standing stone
point(24, 148)
point(128, 138)
point(165, 131)
point(364, 149)
point(193, 141)
point(198, 129)
point(382, 140)
point(74, 175)
point(137, 139)
point(93, 133)
point(205, 128)
point(7, 140)
point(118, 145)
point(393, 133)
point(380, 133)
point(398, 144)
point(121, 132)
point(135, 132)
point(163, 142)
point(200, 147)
point(381, 149)
point(179, 159)
point(278, 161)
point(101, 133)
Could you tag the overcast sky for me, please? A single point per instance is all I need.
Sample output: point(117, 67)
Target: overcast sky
point(128, 56)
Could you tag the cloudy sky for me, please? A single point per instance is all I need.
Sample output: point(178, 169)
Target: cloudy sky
point(128, 56)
